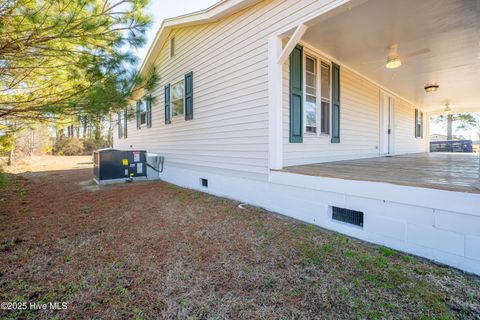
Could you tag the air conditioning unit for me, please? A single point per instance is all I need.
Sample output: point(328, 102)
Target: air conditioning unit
point(111, 166)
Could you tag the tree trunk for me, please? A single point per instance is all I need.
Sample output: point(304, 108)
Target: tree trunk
point(449, 127)
point(449, 132)
point(10, 156)
point(98, 128)
point(84, 122)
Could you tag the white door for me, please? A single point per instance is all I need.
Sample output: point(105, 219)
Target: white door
point(387, 124)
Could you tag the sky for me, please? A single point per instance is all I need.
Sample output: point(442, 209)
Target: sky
point(163, 9)
point(472, 134)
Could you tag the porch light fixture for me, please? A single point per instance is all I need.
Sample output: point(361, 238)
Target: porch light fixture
point(393, 63)
point(431, 88)
point(393, 59)
point(447, 109)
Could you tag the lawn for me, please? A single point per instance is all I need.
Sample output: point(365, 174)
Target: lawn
point(154, 250)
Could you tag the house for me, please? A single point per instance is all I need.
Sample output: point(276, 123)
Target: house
point(318, 110)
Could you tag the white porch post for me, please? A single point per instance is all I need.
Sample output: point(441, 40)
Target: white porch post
point(275, 122)
point(276, 58)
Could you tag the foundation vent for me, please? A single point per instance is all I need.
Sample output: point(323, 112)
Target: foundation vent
point(348, 216)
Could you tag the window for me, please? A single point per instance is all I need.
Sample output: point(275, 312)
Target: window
point(178, 92)
point(120, 124)
point(310, 95)
point(172, 47)
point(142, 112)
point(317, 96)
point(418, 124)
point(325, 107)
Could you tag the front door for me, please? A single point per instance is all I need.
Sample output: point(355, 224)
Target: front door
point(387, 124)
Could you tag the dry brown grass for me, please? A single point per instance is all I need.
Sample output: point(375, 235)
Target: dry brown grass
point(153, 250)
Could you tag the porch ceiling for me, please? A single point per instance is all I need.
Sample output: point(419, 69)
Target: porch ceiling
point(446, 32)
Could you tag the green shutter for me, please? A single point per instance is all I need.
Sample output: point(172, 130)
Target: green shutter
point(189, 96)
point(125, 122)
point(139, 124)
point(167, 104)
point(416, 123)
point(148, 101)
point(421, 125)
point(335, 103)
point(296, 95)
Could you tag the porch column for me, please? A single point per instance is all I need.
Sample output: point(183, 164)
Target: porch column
point(276, 57)
point(275, 122)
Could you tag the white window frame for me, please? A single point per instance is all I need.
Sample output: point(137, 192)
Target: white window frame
point(318, 61)
point(317, 91)
point(182, 115)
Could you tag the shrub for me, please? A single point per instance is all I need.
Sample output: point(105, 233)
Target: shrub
point(90, 145)
point(3, 180)
point(68, 147)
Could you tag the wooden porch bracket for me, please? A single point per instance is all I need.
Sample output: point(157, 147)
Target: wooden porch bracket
point(297, 35)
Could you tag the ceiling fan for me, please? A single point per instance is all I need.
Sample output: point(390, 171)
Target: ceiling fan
point(395, 60)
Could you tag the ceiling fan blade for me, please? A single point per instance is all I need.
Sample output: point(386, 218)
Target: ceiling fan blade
point(416, 53)
point(373, 61)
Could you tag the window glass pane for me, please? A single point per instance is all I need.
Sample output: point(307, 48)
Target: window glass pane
point(311, 114)
point(310, 65)
point(178, 92)
point(325, 112)
point(311, 95)
point(311, 85)
point(143, 106)
point(177, 107)
point(325, 79)
point(143, 112)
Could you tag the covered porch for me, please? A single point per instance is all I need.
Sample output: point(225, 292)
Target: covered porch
point(400, 62)
point(444, 171)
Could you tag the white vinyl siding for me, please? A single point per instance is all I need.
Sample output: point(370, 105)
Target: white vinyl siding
point(405, 141)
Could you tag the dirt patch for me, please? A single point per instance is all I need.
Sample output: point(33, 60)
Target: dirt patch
point(154, 250)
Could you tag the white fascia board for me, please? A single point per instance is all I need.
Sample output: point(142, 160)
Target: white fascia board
point(211, 14)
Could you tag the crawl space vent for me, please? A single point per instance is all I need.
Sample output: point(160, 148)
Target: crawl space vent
point(204, 183)
point(348, 216)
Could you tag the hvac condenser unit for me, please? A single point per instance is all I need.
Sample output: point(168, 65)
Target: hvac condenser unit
point(110, 166)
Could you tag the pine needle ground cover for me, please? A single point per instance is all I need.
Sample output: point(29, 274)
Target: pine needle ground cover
point(154, 250)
